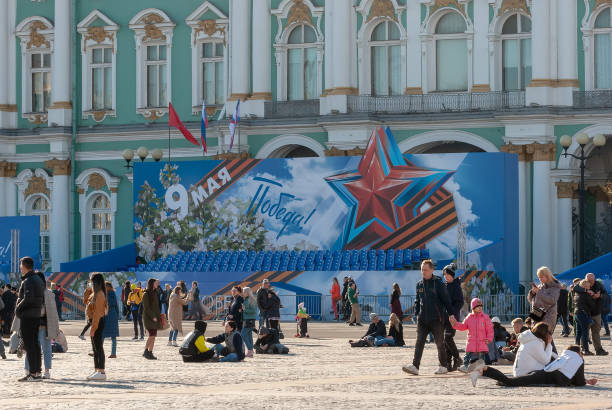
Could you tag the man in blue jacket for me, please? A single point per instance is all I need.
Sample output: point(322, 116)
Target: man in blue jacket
point(432, 307)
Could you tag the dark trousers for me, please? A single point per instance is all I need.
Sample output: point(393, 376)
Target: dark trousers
point(564, 322)
point(97, 344)
point(29, 334)
point(87, 326)
point(137, 319)
point(604, 323)
point(538, 377)
point(303, 326)
point(583, 321)
point(58, 305)
point(274, 324)
point(423, 329)
point(200, 357)
point(451, 348)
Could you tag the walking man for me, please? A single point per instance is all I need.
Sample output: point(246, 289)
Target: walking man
point(596, 292)
point(431, 308)
point(453, 287)
point(29, 305)
point(562, 310)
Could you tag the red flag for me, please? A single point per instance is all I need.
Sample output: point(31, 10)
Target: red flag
point(175, 121)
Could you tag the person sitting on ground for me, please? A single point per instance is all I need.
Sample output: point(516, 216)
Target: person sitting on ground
point(509, 352)
point(529, 323)
point(59, 344)
point(535, 350)
point(268, 342)
point(500, 340)
point(194, 347)
point(376, 331)
point(480, 333)
point(302, 319)
point(396, 333)
point(233, 351)
point(566, 370)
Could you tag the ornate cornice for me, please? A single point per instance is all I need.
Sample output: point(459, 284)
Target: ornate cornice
point(519, 150)
point(152, 32)
point(299, 13)
point(413, 91)
point(481, 88)
point(36, 118)
point(232, 155)
point(152, 114)
point(98, 34)
point(8, 169)
point(36, 185)
point(438, 4)
point(37, 39)
point(566, 189)
point(208, 27)
point(96, 181)
point(335, 152)
point(58, 166)
point(514, 5)
point(542, 152)
point(601, 3)
point(382, 8)
point(8, 108)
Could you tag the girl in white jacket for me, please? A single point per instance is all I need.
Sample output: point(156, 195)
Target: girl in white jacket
point(535, 350)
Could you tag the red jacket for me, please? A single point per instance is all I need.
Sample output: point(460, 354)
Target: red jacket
point(480, 328)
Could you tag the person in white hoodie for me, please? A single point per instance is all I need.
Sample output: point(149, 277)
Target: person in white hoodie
point(566, 370)
point(535, 350)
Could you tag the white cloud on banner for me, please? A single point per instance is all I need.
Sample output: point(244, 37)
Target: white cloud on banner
point(444, 246)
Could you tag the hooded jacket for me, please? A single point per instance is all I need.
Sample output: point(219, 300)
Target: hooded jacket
point(431, 303)
point(376, 329)
point(571, 365)
point(480, 329)
point(531, 355)
point(31, 297)
point(546, 299)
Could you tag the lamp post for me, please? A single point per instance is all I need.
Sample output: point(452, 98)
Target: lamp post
point(142, 152)
point(582, 139)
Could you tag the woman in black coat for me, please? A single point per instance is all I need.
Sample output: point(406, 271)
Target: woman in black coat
point(235, 309)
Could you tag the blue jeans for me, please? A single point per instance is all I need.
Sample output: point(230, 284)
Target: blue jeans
point(382, 340)
point(232, 357)
point(172, 335)
point(583, 321)
point(46, 349)
point(113, 344)
point(604, 323)
point(247, 336)
point(473, 356)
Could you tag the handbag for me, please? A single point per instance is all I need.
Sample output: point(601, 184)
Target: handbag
point(537, 314)
point(164, 322)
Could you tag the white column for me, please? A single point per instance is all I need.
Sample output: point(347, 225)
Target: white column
point(540, 90)
point(261, 57)
point(3, 185)
point(567, 34)
point(480, 53)
point(60, 111)
point(565, 192)
point(542, 202)
point(343, 57)
point(240, 28)
point(60, 212)
point(8, 171)
point(524, 248)
point(413, 48)
point(7, 110)
point(329, 50)
point(11, 197)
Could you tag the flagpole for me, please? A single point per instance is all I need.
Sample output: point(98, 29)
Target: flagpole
point(238, 119)
point(169, 156)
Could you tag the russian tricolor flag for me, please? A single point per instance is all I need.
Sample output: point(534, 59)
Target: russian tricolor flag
point(204, 125)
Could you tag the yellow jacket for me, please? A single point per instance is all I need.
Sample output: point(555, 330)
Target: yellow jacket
point(135, 297)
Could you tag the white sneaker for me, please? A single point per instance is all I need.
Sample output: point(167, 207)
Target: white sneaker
point(174, 343)
point(476, 366)
point(441, 370)
point(91, 375)
point(463, 369)
point(474, 377)
point(169, 343)
point(411, 369)
point(98, 376)
point(47, 375)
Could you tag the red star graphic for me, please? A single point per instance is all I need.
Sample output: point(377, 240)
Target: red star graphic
point(375, 194)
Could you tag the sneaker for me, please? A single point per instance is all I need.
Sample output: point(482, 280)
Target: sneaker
point(411, 369)
point(441, 370)
point(474, 376)
point(351, 324)
point(3, 356)
point(47, 375)
point(601, 353)
point(476, 366)
point(587, 353)
point(463, 369)
point(113, 356)
point(135, 338)
point(141, 337)
point(30, 378)
point(169, 342)
point(249, 354)
point(99, 376)
point(174, 343)
point(81, 337)
point(358, 324)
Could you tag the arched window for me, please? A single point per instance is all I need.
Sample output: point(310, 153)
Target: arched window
point(603, 54)
point(39, 206)
point(302, 64)
point(451, 53)
point(386, 59)
point(100, 234)
point(516, 52)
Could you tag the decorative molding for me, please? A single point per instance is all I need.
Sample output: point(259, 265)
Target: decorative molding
point(98, 34)
point(599, 192)
point(514, 5)
point(152, 114)
point(566, 189)
point(601, 3)
point(96, 181)
point(542, 152)
point(438, 4)
point(36, 39)
point(413, 91)
point(99, 115)
point(481, 88)
point(232, 155)
point(61, 105)
point(355, 152)
point(546, 82)
point(36, 118)
point(382, 8)
point(519, 150)
point(37, 185)
point(8, 169)
point(8, 107)
point(261, 96)
point(335, 152)
point(209, 27)
point(58, 166)
point(152, 32)
point(238, 96)
point(343, 91)
point(299, 13)
point(608, 189)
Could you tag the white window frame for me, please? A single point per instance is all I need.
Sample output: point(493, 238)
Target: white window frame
point(88, 43)
point(387, 44)
point(429, 49)
point(29, 211)
point(36, 35)
point(164, 27)
point(199, 35)
point(589, 31)
point(301, 46)
point(518, 37)
point(85, 200)
point(103, 232)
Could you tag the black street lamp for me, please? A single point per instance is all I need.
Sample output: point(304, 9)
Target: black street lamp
point(582, 139)
point(142, 152)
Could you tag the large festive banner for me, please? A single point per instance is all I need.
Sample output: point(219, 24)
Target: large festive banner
point(19, 237)
point(383, 200)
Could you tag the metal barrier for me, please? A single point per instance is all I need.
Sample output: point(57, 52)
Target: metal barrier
point(437, 102)
point(291, 109)
point(593, 99)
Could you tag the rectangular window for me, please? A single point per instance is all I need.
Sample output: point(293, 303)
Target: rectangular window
point(395, 70)
point(157, 68)
point(295, 74)
point(211, 59)
point(100, 243)
point(603, 70)
point(451, 65)
point(41, 81)
point(379, 70)
point(44, 248)
point(510, 56)
point(525, 62)
point(101, 81)
point(310, 74)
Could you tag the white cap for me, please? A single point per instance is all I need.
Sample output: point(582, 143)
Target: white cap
point(496, 320)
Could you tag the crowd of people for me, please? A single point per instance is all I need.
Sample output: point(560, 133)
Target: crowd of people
point(32, 314)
